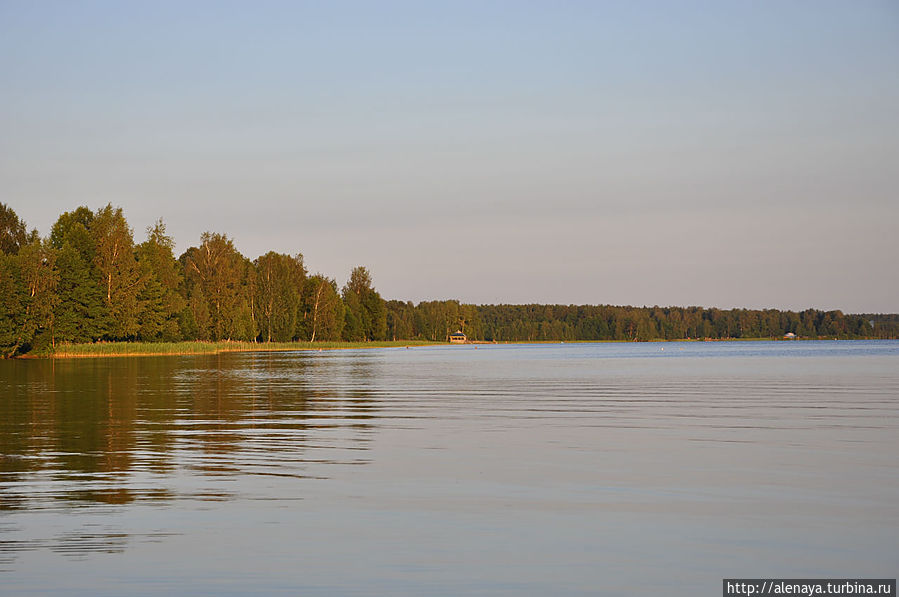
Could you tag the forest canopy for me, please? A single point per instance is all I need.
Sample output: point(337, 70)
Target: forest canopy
point(90, 281)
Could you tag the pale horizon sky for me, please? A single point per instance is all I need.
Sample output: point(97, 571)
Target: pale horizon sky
point(725, 154)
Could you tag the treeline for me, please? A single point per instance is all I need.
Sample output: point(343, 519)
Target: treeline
point(588, 322)
point(89, 281)
point(434, 320)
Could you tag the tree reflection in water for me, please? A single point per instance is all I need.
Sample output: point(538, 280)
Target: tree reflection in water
point(94, 433)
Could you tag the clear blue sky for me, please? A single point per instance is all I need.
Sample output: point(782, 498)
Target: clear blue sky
point(673, 153)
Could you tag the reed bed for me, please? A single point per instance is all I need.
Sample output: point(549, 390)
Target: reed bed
point(127, 349)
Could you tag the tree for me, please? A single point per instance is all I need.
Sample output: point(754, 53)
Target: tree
point(120, 276)
point(360, 281)
point(13, 299)
point(12, 231)
point(216, 280)
point(438, 319)
point(81, 315)
point(400, 320)
point(279, 286)
point(37, 261)
point(324, 312)
point(72, 227)
point(377, 311)
point(245, 323)
point(160, 301)
point(27, 295)
point(470, 322)
point(366, 315)
point(354, 323)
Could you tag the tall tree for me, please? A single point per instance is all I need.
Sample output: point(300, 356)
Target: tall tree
point(400, 320)
point(120, 276)
point(470, 321)
point(216, 281)
point(27, 295)
point(366, 314)
point(246, 323)
point(323, 311)
point(12, 231)
point(160, 300)
point(72, 227)
point(279, 287)
point(81, 315)
point(354, 320)
point(13, 299)
point(37, 260)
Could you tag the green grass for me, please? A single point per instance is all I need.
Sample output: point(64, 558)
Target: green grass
point(127, 349)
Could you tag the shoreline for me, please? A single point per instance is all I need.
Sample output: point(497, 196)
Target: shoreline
point(158, 349)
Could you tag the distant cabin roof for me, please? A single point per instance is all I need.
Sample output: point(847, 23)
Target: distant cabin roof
point(457, 334)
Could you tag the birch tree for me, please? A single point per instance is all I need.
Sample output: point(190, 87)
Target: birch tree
point(323, 309)
point(279, 287)
point(214, 274)
point(120, 276)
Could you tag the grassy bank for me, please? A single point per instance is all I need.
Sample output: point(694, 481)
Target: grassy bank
point(131, 349)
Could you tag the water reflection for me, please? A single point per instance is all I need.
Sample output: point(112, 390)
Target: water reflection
point(536, 469)
point(118, 431)
point(78, 542)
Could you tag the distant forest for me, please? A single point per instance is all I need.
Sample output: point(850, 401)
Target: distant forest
point(88, 281)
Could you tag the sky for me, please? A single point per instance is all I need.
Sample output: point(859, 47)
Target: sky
point(728, 154)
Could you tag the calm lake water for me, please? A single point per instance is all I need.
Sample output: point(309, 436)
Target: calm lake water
point(575, 469)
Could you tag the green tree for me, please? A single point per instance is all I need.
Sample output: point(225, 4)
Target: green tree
point(12, 231)
point(120, 276)
point(28, 288)
point(37, 260)
point(400, 320)
point(279, 286)
point(324, 312)
point(160, 301)
point(216, 279)
point(72, 227)
point(366, 315)
point(81, 315)
point(244, 323)
point(13, 301)
point(470, 322)
point(354, 314)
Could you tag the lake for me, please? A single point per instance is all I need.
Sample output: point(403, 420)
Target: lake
point(563, 469)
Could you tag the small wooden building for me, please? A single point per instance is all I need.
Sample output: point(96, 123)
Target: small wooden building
point(458, 338)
